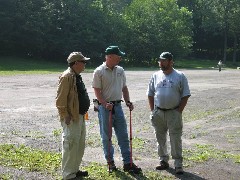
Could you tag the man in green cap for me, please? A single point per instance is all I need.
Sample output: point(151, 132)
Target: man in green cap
point(109, 83)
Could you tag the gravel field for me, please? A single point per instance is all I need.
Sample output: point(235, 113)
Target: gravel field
point(212, 116)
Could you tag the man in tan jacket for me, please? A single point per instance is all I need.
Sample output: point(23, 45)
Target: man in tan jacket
point(72, 102)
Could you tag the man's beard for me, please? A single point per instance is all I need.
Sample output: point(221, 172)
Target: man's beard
point(164, 68)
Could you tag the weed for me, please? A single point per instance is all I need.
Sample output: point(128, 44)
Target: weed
point(57, 132)
point(205, 152)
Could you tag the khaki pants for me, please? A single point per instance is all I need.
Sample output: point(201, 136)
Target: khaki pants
point(164, 121)
point(73, 145)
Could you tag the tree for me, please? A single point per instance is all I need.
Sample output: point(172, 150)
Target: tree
point(158, 25)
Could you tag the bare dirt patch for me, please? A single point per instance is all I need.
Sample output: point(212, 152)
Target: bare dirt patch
point(212, 117)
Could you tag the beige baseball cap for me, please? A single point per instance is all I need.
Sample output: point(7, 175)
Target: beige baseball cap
point(76, 56)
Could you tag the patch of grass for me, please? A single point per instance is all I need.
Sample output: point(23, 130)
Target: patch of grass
point(57, 132)
point(99, 172)
point(192, 115)
point(35, 135)
point(94, 140)
point(137, 143)
point(22, 157)
point(16, 65)
point(203, 152)
point(233, 137)
point(13, 132)
point(201, 64)
point(6, 176)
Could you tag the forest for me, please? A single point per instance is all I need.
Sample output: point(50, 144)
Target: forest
point(51, 29)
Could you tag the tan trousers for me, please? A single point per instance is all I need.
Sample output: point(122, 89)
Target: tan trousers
point(73, 145)
point(164, 121)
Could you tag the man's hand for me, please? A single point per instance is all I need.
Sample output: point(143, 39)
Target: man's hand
point(109, 106)
point(67, 120)
point(130, 105)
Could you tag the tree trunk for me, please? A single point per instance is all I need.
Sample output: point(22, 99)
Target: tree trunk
point(235, 48)
point(225, 46)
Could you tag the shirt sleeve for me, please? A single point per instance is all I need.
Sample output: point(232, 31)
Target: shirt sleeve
point(124, 79)
point(97, 82)
point(151, 88)
point(185, 87)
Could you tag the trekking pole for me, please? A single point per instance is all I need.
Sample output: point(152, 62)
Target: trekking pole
point(131, 161)
point(109, 138)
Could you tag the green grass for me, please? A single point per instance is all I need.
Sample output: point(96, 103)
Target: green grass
point(204, 152)
point(15, 65)
point(202, 64)
point(34, 160)
point(22, 157)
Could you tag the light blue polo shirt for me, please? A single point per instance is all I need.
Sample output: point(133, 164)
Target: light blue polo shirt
point(168, 90)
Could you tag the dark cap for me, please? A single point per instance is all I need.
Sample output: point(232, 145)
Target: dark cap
point(76, 56)
point(114, 50)
point(166, 55)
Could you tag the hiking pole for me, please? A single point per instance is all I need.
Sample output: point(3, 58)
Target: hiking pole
point(131, 161)
point(109, 139)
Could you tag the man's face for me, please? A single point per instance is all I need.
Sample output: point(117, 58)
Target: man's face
point(80, 65)
point(114, 59)
point(165, 64)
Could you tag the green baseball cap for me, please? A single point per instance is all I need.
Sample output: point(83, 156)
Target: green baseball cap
point(166, 55)
point(114, 50)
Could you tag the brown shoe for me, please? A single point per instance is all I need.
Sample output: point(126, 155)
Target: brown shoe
point(179, 170)
point(163, 165)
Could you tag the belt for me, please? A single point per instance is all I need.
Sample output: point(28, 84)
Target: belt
point(116, 102)
point(164, 109)
point(113, 102)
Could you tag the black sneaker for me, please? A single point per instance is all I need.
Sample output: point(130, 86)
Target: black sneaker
point(81, 174)
point(163, 165)
point(132, 169)
point(179, 170)
point(112, 167)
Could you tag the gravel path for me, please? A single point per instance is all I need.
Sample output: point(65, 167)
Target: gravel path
point(212, 116)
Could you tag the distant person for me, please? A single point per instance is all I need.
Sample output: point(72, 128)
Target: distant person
point(168, 93)
point(219, 65)
point(109, 83)
point(73, 102)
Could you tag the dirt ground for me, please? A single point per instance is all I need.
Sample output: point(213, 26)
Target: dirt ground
point(212, 116)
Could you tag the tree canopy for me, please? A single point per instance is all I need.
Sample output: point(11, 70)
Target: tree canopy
point(51, 29)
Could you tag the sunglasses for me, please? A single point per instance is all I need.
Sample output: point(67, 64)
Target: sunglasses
point(84, 62)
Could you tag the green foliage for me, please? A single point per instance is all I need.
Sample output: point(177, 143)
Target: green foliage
point(158, 26)
point(44, 29)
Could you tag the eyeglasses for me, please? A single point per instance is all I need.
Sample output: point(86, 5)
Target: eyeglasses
point(84, 62)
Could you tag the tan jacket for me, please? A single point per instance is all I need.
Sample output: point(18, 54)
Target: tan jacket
point(67, 96)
